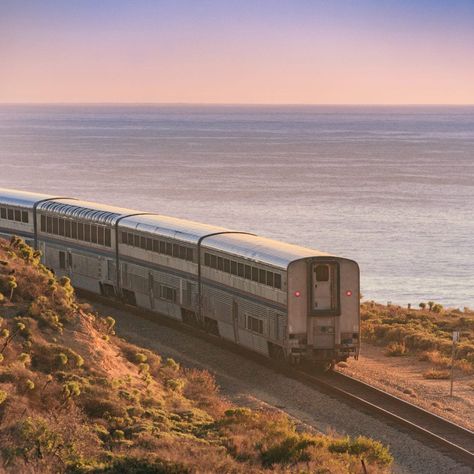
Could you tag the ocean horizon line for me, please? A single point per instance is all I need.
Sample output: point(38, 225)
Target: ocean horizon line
point(232, 104)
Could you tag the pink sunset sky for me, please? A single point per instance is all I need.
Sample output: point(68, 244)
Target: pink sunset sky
point(268, 52)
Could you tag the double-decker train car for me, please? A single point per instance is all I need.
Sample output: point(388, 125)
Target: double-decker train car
point(280, 300)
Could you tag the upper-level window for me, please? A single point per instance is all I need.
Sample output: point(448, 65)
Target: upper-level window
point(249, 272)
point(158, 246)
point(96, 234)
point(14, 215)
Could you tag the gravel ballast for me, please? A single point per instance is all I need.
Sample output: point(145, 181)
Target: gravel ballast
point(247, 382)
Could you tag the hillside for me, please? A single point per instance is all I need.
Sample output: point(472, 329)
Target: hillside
point(76, 398)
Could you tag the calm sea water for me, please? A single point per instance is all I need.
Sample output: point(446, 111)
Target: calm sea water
point(391, 187)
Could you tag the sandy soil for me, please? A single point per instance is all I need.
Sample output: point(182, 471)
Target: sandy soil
point(403, 376)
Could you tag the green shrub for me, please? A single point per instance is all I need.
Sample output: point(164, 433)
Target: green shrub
point(140, 358)
point(3, 396)
point(291, 450)
point(61, 359)
point(435, 374)
point(171, 364)
point(395, 349)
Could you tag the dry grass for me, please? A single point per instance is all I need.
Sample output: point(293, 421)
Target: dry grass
point(396, 349)
point(75, 398)
point(436, 374)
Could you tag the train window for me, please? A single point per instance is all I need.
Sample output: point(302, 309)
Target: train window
point(93, 234)
point(87, 232)
point(254, 274)
point(277, 282)
point(233, 267)
point(49, 225)
point(156, 246)
point(130, 239)
point(69, 259)
point(162, 247)
point(169, 249)
point(207, 260)
point(189, 254)
point(61, 226)
point(175, 250)
point(62, 260)
point(108, 238)
point(143, 242)
point(124, 238)
point(55, 225)
point(213, 261)
point(226, 265)
point(322, 272)
point(80, 231)
point(43, 224)
point(100, 235)
point(220, 263)
point(149, 243)
point(67, 228)
point(74, 230)
point(167, 293)
point(248, 272)
point(10, 214)
point(24, 217)
point(240, 270)
point(136, 240)
point(270, 278)
point(17, 215)
point(254, 324)
point(3, 212)
point(262, 278)
point(182, 252)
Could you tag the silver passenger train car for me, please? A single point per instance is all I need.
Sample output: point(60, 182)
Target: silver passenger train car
point(284, 301)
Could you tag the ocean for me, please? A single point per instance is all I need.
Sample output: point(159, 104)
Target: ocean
point(391, 187)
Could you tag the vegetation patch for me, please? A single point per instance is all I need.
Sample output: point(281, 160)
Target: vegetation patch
point(76, 398)
point(435, 374)
point(426, 331)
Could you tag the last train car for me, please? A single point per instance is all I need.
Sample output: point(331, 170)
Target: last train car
point(280, 300)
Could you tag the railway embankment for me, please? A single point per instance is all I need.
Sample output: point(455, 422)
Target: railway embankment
point(75, 397)
point(408, 352)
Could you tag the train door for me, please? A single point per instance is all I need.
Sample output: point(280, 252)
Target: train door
point(235, 320)
point(324, 287)
point(151, 287)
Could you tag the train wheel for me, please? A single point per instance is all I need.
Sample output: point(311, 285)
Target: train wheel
point(322, 366)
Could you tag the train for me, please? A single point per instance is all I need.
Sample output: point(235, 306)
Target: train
point(283, 301)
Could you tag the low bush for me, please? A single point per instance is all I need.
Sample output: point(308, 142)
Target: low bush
point(435, 374)
point(395, 349)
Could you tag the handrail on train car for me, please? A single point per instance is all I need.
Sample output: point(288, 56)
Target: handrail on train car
point(117, 254)
point(35, 223)
point(200, 318)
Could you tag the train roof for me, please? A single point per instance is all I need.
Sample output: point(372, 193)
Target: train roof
point(253, 247)
point(23, 199)
point(261, 249)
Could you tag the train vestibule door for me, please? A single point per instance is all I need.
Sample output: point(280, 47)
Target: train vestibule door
point(323, 286)
point(235, 320)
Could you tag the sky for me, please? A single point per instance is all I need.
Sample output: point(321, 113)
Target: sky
point(246, 51)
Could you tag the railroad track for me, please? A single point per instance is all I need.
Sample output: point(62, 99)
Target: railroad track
point(448, 438)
